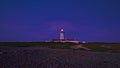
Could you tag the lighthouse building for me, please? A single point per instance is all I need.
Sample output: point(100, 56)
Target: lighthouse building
point(62, 38)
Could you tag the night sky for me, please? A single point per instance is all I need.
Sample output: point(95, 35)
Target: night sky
point(41, 20)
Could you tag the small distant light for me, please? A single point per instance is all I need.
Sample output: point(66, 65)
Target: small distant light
point(83, 41)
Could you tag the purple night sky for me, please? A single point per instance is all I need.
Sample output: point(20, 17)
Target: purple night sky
point(41, 20)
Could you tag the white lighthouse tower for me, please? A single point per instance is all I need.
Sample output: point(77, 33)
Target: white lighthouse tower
point(62, 34)
point(62, 39)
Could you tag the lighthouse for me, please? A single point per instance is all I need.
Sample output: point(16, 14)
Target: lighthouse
point(61, 34)
point(62, 39)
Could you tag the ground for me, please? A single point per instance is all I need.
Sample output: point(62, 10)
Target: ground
point(42, 57)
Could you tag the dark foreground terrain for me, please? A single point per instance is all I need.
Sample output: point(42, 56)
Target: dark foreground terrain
point(40, 57)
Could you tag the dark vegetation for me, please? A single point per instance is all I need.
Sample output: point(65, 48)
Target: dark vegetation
point(95, 46)
point(37, 44)
point(103, 47)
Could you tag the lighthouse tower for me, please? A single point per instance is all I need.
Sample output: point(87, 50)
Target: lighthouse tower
point(62, 39)
point(62, 34)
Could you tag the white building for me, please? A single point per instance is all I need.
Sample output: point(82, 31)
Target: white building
point(62, 39)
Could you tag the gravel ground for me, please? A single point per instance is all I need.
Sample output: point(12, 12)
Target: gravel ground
point(36, 57)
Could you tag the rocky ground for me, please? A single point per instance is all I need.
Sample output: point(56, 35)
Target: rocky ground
point(37, 57)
